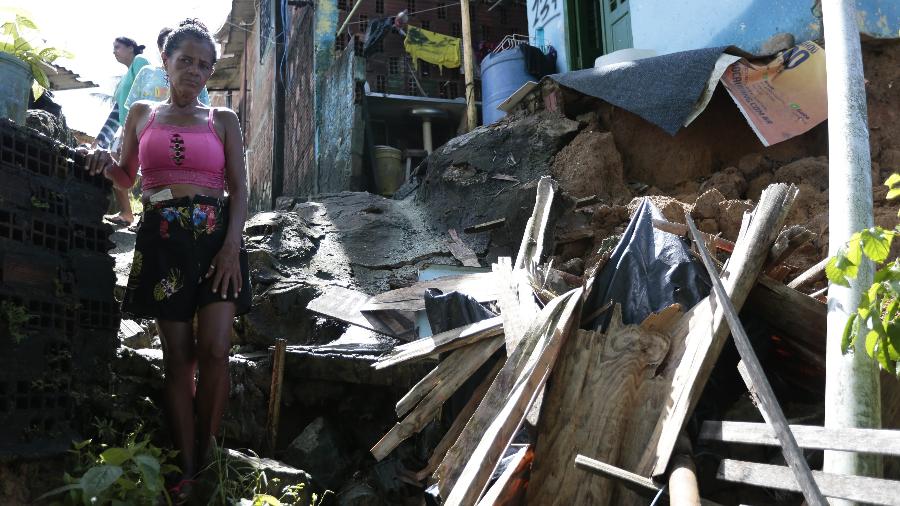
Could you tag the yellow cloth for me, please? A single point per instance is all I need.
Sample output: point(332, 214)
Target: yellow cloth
point(435, 48)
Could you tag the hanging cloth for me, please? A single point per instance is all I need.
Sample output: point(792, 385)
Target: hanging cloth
point(376, 31)
point(441, 50)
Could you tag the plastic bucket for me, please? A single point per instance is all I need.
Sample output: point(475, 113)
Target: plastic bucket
point(15, 88)
point(389, 173)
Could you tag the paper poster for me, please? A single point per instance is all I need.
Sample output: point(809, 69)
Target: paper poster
point(785, 98)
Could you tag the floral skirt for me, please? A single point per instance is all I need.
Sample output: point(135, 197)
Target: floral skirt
point(176, 242)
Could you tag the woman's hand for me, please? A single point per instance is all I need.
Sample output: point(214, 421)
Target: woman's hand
point(225, 269)
point(97, 161)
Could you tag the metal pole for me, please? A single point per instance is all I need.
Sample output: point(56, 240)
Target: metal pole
point(852, 388)
point(468, 66)
point(349, 15)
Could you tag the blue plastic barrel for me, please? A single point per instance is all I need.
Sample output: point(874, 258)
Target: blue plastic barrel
point(501, 75)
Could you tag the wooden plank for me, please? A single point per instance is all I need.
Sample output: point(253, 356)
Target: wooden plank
point(456, 428)
point(516, 301)
point(457, 363)
point(509, 489)
point(478, 468)
point(345, 305)
point(532, 247)
point(480, 286)
point(852, 488)
point(699, 336)
point(788, 241)
point(467, 361)
point(635, 482)
point(485, 227)
point(461, 251)
point(682, 231)
point(278, 353)
point(814, 273)
point(798, 318)
point(441, 342)
point(876, 441)
point(498, 393)
point(757, 383)
point(589, 406)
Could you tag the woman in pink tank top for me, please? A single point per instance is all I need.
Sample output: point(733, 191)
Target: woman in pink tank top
point(189, 257)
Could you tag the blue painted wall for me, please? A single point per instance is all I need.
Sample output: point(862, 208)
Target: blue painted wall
point(547, 25)
point(668, 26)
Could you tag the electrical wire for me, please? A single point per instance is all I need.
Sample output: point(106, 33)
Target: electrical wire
point(412, 13)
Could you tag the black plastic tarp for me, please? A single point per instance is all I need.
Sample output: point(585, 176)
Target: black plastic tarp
point(648, 271)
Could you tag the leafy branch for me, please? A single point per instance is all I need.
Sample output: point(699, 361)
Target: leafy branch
point(875, 319)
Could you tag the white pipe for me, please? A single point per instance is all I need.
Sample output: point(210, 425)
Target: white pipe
point(852, 388)
point(426, 134)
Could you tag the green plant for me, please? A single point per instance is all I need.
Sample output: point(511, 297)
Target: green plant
point(131, 474)
point(16, 317)
point(875, 318)
point(19, 37)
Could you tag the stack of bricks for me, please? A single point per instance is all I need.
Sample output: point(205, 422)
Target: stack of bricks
point(58, 315)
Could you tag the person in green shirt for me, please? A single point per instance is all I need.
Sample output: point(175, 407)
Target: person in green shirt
point(128, 53)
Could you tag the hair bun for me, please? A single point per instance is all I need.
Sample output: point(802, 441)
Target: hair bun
point(193, 22)
point(141, 47)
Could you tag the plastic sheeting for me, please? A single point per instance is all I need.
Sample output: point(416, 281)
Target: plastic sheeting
point(648, 271)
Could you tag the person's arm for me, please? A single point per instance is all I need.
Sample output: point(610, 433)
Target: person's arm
point(226, 269)
point(104, 138)
point(123, 172)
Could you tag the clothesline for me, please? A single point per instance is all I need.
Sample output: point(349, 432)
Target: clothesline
point(410, 13)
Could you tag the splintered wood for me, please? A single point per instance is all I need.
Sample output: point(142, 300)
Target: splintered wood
point(595, 394)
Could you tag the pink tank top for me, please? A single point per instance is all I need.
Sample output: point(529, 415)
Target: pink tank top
point(171, 154)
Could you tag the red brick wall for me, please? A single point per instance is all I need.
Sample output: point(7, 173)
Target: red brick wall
point(489, 27)
point(299, 132)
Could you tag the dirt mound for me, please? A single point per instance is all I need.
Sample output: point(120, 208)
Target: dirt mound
point(591, 165)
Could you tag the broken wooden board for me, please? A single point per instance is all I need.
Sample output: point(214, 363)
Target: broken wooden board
point(442, 342)
point(590, 404)
point(516, 301)
point(498, 393)
point(481, 462)
point(755, 378)
point(484, 227)
point(634, 482)
point(458, 367)
point(456, 428)
point(875, 441)
point(700, 335)
point(798, 318)
point(481, 286)
point(461, 251)
point(345, 305)
point(532, 247)
point(509, 489)
point(852, 488)
point(814, 273)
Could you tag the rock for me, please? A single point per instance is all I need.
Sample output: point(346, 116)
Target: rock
point(777, 43)
point(50, 125)
point(248, 399)
point(730, 182)
point(890, 160)
point(707, 204)
point(358, 494)
point(730, 216)
point(322, 452)
point(809, 203)
point(591, 165)
point(756, 186)
point(134, 335)
point(278, 474)
point(673, 210)
point(708, 225)
point(752, 165)
point(574, 266)
point(811, 170)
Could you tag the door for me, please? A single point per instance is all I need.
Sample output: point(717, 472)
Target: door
point(616, 25)
point(585, 36)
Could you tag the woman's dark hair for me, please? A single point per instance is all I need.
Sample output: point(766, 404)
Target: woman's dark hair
point(193, 28)
point(161, 38)
point(138, 49)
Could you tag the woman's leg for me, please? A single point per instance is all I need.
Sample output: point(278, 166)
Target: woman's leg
point(181, 363)
point(124, 201)
point(214, 324)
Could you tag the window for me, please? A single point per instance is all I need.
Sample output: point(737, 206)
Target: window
point(342, 5)
point(380, 83)
point(455, 30)
point(442, 11)
point(503, 16)
point(426, 25)
point(485, 32)
point(379, 6)
point(363, 23)
point(393, 65)
point(411, 7)
point(411, 88)
point(340, 42)
point(453, 90)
